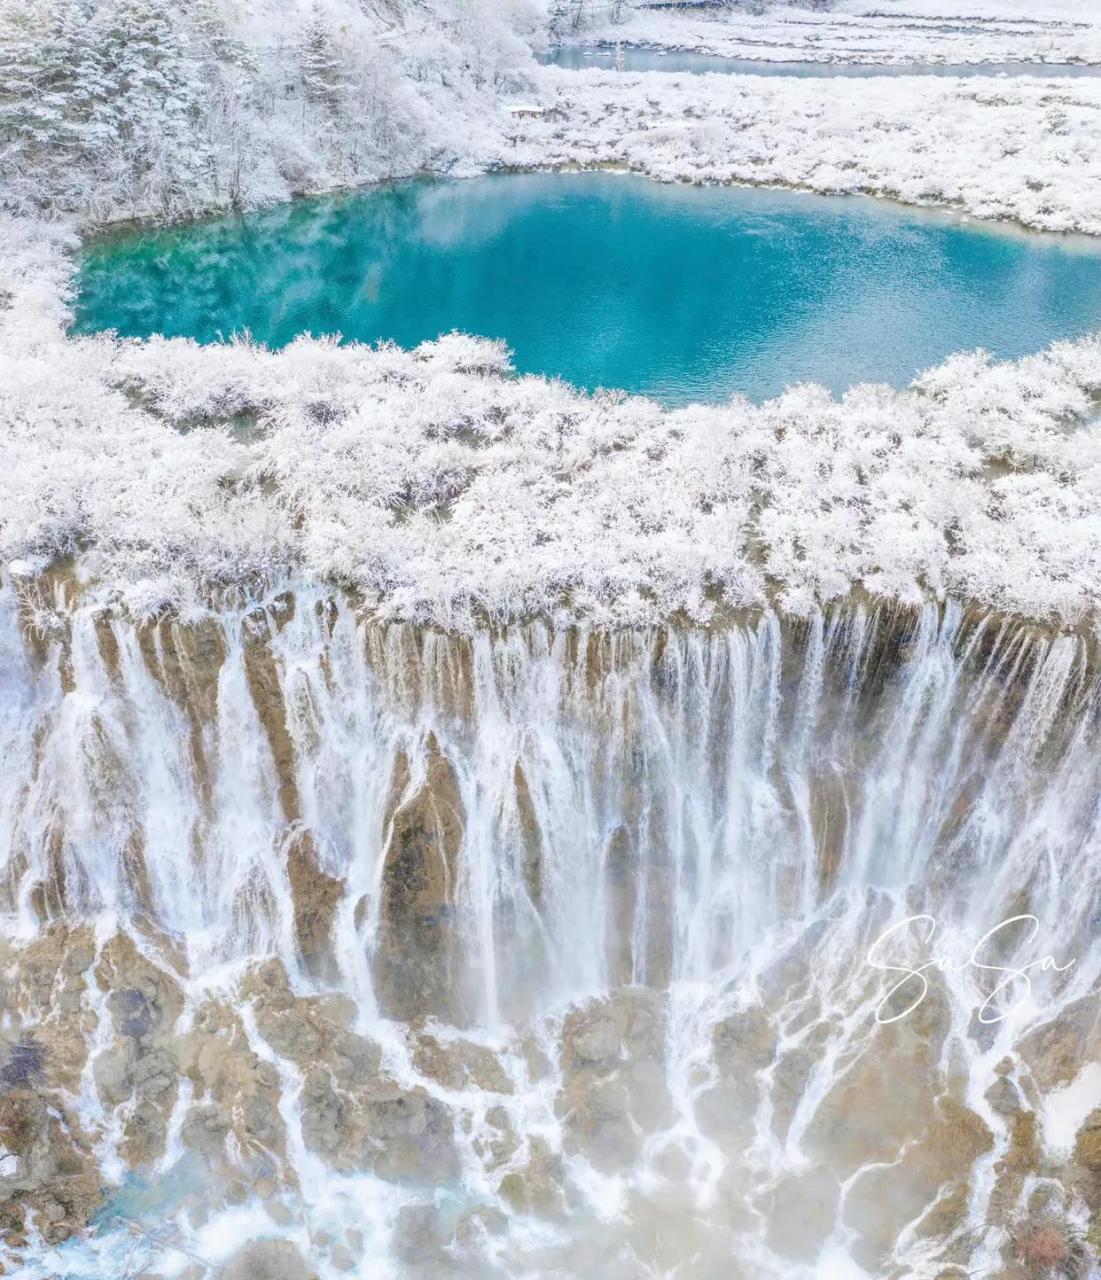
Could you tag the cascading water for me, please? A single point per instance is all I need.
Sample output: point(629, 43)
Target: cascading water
point(547, 952)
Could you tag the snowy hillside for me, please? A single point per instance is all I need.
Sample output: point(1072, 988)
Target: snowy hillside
point(137, 107)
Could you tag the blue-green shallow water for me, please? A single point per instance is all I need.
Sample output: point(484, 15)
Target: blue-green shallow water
point(678, 292)
point(576, 57)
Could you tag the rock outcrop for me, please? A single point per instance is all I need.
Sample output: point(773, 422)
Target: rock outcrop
point(417, 971)
point(268, 1260)
point(354, 1114)
point(47, 1167)
point(613, 1081)
point(139, 1072)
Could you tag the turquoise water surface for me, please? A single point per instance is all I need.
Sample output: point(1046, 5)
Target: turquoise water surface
point(609, 280)
point(576, 57)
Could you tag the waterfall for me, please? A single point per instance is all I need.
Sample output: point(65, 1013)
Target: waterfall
point(624, 885)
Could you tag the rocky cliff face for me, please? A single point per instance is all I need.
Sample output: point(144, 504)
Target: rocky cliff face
point(543, 952)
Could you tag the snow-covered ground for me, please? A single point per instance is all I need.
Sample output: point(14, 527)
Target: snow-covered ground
point(1025, 149)
point(886, 31)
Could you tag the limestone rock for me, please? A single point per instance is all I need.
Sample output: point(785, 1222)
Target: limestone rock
point(1056, 1052)
point(353, 1114)
point(417, 969)
point(268, 1260)
point(535, 1188)
point(418, 1234)
point(140, 1067)
point(930, 1176)
point(591, 1035)
point(613, 1088)
point(44, 985)
point(316, 897)
point(802, 1214)
point(460, 1064)
point(498, 1142)
point(50, 1168)
point(744, 1041)
point(1087, 1147)
point(1003, 1097)
point(742, 1045)
point(884, 1099)
point(473, 1227)
point(1021, 1160)
point(240, 1092)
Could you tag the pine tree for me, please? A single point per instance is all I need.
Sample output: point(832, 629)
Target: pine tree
point(231, 96)
point(323, 78)
point(214, 43)
point(74, 71)
point(150, 115)
point(27, 120)
point(49, 84)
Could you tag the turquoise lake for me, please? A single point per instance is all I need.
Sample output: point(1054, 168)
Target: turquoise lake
point(682, 293)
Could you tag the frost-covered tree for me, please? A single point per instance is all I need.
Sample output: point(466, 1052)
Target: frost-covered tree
point(29, 120)
point(233, 93)
point(576, 15)
point(491, 35)
point(139, 107)
point(324, 79)
point(50, 85)
point(214, 40)
point(762, 6)
point(153, 103)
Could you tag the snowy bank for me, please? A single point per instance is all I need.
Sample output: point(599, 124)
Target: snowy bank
point(1028, 150)
point(868, 31)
